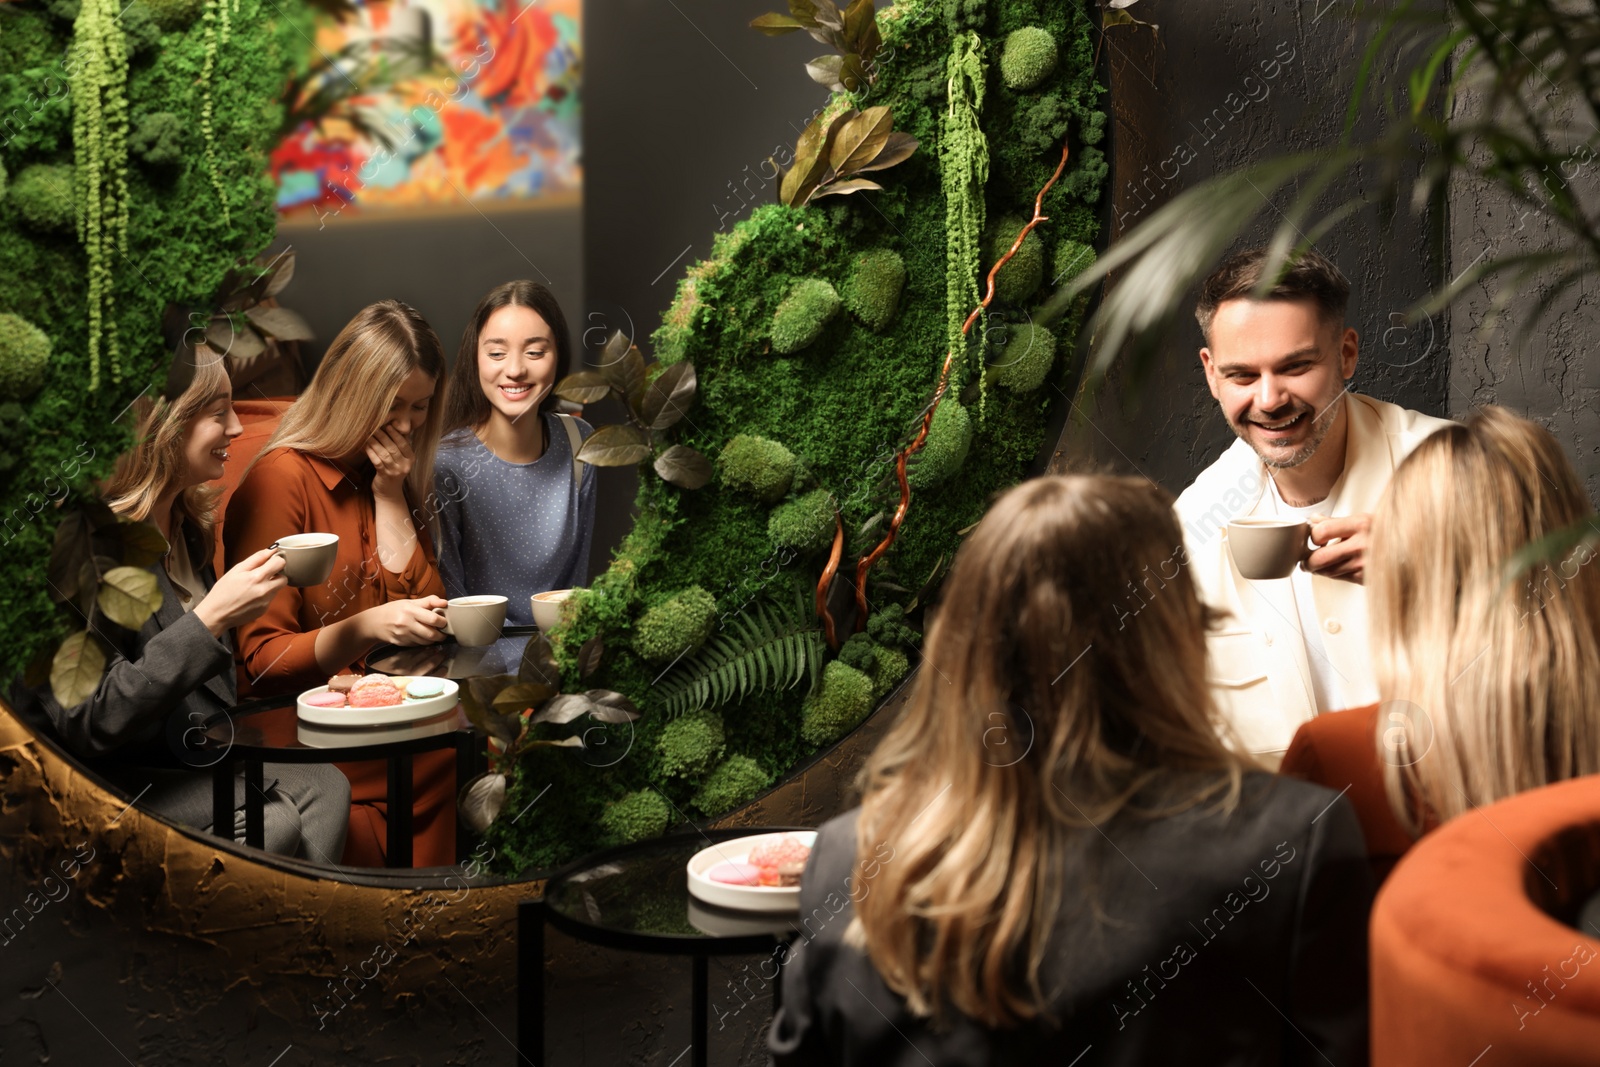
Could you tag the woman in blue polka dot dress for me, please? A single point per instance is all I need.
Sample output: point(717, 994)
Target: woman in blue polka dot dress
point(516, 508)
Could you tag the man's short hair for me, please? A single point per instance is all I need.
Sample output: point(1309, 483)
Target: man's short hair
point(1312, 276)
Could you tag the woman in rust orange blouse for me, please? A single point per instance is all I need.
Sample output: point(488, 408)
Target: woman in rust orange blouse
point(354, 457)
point(1486, 675)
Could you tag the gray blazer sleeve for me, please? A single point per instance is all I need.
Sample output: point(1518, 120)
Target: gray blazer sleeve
point(135, 696)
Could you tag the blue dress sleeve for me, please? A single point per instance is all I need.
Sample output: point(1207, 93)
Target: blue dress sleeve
point(450, 488)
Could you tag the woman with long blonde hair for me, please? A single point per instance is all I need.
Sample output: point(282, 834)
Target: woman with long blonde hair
point(1486, 674)
point(354, 457)
point(1056, 849)
point(176, 672)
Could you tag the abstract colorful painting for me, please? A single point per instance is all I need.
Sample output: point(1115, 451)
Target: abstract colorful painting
point(495, 120)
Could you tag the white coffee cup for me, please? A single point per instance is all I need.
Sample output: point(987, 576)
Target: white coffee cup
point(307, 557)
point(547, 607)
point(475, 621)
point(1268, 548)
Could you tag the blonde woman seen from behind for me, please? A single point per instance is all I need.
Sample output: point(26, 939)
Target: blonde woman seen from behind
point(1486, 674)
point(1056, 855)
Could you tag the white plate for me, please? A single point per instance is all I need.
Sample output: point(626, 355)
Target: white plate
point(772, 899)
point(409, 711)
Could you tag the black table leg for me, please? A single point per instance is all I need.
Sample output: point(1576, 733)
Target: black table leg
point(465, 741)
point(222, 798)
point(530, 982)
point(255, 797)
point(697, 1016)
point(400, 810)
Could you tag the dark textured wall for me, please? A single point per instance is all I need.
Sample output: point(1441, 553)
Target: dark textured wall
point(1225, 84)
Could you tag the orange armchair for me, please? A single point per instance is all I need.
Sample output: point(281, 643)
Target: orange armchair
point(1476, 955)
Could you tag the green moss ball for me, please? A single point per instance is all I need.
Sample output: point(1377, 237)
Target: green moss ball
point(842, 701)
point(636, 817)
point(803, 524)
point(892, 665)
point(736, 781)
point(157, 138)
point(755, 465)
point(873, 291)
point(1020, 278)
point(676, 626)
point(1028, 57)
point(941, 455)
point(690, 744)
point(42, 196)
point(1026, 360)
point(1071, 258)
point(24, 357)
point(176, 14)
point(800, 319)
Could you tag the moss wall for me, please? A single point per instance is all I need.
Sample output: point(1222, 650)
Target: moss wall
point(841, 404)
point(190, 214)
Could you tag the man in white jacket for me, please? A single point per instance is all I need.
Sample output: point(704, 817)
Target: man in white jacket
point(1308, 449)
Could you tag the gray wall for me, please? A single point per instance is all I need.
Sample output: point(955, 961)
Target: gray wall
point(1235, 82)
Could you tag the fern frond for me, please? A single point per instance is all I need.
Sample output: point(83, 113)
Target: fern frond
point(770, 645)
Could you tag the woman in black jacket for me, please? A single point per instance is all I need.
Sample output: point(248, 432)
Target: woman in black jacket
point(177, 671)
point(1058, 859)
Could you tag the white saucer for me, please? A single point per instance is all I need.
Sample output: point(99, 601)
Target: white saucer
point(772, 899)
point(409, 711)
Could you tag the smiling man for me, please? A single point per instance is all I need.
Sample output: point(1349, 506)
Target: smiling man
point(1309, 449)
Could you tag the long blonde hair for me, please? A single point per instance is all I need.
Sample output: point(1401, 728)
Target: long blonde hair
point(156, 463)
point(1489, 679)
point(350, 395)
point(1064, 674)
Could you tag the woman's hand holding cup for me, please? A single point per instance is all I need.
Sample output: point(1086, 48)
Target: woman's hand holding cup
point(406, 622)
point(242, 593)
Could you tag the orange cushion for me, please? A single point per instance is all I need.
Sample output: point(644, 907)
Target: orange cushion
point(1466, 951)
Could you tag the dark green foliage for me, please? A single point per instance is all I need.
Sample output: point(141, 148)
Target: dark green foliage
point(13, 436)
point(140, 28)
point(1019, 279)
point(832, 711)
point(941, 455)
point(840, 410)
point(764, 469)
point(65, 10)
point(805, 524)
point(24, 357)
point(964, 14)
point(1071, 258)
point(42, 197)
point(1026, 360)
point(635, 817)
point(1029, 57)
point(872, 292)
point(157, 139)
point(800, 319)
point(736, 781)
point(676, 626)
point(176, 14)
point(691, 743)
point(769, 646)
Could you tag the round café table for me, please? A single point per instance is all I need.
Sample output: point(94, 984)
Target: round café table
point(268, 730)
point(636, 898)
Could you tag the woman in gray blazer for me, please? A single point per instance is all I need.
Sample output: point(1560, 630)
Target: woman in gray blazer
point(1059, 858)
point(177, 671)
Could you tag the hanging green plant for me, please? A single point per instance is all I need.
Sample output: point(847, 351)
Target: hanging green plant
point(100, 147)
point(963, 171)
point(217, 27)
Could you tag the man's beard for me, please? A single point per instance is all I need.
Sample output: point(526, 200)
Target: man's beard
point(1321, 423)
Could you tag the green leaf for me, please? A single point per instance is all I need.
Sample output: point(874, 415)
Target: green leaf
point(860, 139)
point(515, 699)
point(615, 446)
point(538, 663)
point(827, 70)
point(142, 543)
point(280, 323)
point(854, 185)
point(280, 272)
point(128, 596)
point(583, 387)
point(775, 25)
point(477, 698)
point(608, 706)
point(683, 467)
point(897, 148)
point(811, 158)
point(669, 397)
point(70, 550)
point(564, 708)
point(589, 655)
point(75, 671)
point(624, 372)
